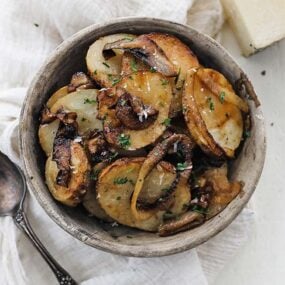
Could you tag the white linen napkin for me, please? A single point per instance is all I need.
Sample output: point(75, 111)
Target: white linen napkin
point(29, 31)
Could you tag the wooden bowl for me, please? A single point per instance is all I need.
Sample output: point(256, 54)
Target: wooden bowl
point(68, 58)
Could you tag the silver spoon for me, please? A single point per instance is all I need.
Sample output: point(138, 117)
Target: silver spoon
point(12, 195)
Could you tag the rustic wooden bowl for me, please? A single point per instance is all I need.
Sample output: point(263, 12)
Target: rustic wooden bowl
point(68, 58)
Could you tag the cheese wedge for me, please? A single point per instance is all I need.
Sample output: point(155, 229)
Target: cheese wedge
point(256, 23)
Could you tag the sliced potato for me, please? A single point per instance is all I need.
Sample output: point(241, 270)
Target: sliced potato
point(90, 200)
point(47, 134)
point(84, 103)
point(57, 95)
point(224, 191)
point(182, 58)
point(154, 90)
point(116, 185)
point(216, 125)
point(220, 86)
point(71, 195)
point(105, 71)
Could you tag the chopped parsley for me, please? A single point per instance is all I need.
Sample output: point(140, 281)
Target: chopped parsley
point(222, 97)
point(89, 101)
point(164, 82)
point(94, 174)
point(181, 166)
point(36, 25)
point(166, 122)
point(113, 155)
point(95, 72)
point(106, 64)
point(116, 81)
point(199, 209)
point(83, 119)
point(124, 141)
point(120, 180)
point(128, 39)
point(152, 69)
point(211, 103)
point(247, 133)
point(169, 215)
point(161, 104)
point(118, 198)
point(134, 65)
point(129, 236)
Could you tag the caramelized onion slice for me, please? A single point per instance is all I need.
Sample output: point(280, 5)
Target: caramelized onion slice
point(116, 185)
point(182, 189)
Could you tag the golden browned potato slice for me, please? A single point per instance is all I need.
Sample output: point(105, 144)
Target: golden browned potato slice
point(57, 95)
point(116, 185)
point(182, 58)
point(221, 87)
point(105, 71)
point(131, 64)
point(84, 103)
point(47, 134)
point(224, 191)
point(215, 124)
point(71, 195)
point(90, 200)
point(154, 90)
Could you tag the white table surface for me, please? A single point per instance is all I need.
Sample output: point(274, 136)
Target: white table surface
point(261, 261)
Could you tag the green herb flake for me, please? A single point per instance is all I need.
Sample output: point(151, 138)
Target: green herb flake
point(247, 133)
point(89, 101)
point(161, 104)
point(129, 236)
point(211, 104)
point(222, 97)
point(36, 25)
point(110, 76)
point(153, 69)
point(130, 77)
point(95, 72)
point(83, 119)
point(116, 81)
point(124, 141)
point(106, 64)
point(199, 209)
point(120, 180)
point(181, 166)
point(113, 155)
point(118, 198)
point(94, 174)
point(166, 122)
point(134, 65)
point(169, 215)
point(164, 82)
point(128, 39)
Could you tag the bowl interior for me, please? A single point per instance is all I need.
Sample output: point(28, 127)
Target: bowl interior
point(68, 58)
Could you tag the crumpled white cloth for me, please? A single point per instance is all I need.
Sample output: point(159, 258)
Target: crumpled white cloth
point(29, 31)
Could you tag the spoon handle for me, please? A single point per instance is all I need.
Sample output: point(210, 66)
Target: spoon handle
point(62, 276)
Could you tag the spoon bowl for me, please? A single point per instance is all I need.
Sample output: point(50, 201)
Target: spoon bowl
point(12, 196)
point(12, 187)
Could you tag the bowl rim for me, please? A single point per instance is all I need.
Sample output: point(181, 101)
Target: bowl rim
point(112, 246)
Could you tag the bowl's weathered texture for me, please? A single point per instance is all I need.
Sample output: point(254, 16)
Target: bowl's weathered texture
point(68, 58)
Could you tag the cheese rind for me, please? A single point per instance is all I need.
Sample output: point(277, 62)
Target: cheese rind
point(257, 24)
